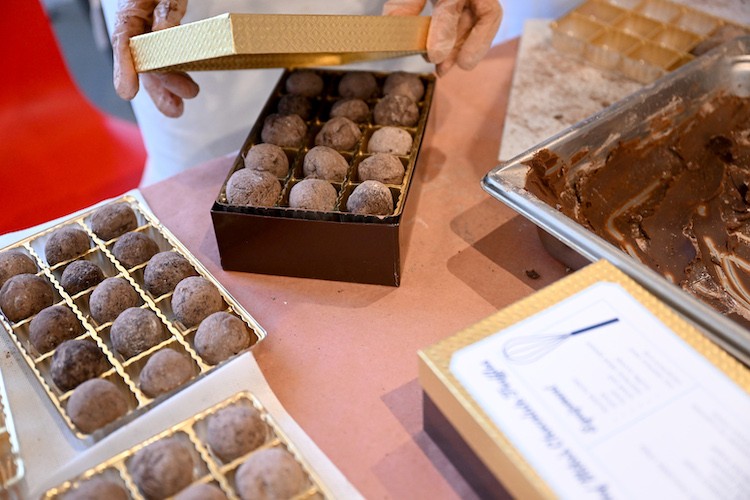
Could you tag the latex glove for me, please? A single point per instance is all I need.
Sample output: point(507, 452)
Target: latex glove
point(135, 17)
point(461, 31)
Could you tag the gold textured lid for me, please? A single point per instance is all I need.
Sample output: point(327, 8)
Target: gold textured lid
point(245, 41)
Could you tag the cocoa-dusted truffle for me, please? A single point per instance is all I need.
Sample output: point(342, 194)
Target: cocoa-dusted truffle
point(356, 110)
point(358, 84)
point(136, 330)
point(234, 431)
point(253, 188)
point(220, 336)
point(111, 297)
point(287, 131)
point(370, 197)
point(165, 370)
point(305, 83)
point(13, 263)
point(97, 488)
point(110, 221)
point(294, 104)
point(95, 403)
point(200, 491)
point(76, 361)
point(134, 248)
point(392, 140)
point(322, 162)
point(406, 84)
point(52, 326)
point(81, 275)
point(162, 468)
point(339, 133)
point(164, 271)
point(65, 243)
point(194, 299)
point(271, 473)
point(396, 110)
point(313, 194)
point(267, 158)
point(24, 295)
point(382, 167)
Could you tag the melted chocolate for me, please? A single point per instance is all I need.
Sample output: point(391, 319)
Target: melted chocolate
point(679, 203)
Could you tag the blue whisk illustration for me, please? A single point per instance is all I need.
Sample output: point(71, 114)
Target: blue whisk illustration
point(530, 348)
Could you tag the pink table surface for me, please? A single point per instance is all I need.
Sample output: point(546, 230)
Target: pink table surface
point(342, 357)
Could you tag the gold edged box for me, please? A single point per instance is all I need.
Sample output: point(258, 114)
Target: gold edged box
point(243, 41)
point(123, 372)
point(478, 447)
point(208, 467)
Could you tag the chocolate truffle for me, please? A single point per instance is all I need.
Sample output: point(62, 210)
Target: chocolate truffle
point(52, 326)
point(287, 131)
point(81, 275)
point(322, 162)
point(110, 221)
point(97, 488)
point(271, 473)
point(234, 431)
point(294, 104)
point(313, 194)
point(392, 140)
point(358, 84)
point(132, 249)
point(162, 468)
point(370, 197)
point(65, 243)
point(165, 370)
point(356, 110)
point(136, 330)
point(111, 297)
point(339, 133)
point(95, 403)
point(253, 188)
point(194, 299)
point(13, 263)
point(220, 336)
point(267, 158)
point(406, 84)
point(164, 271)
point(76, 361)
point(382, 167)
point(305, 83)
point(24, 295)
point(201, 491)
point(396, 110)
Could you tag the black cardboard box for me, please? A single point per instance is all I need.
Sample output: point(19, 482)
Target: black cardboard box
point(335, 245)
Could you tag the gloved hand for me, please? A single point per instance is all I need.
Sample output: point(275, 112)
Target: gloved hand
point(461, 31)
point(135, 17)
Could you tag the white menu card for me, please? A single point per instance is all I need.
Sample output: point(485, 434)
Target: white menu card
point(604, 401)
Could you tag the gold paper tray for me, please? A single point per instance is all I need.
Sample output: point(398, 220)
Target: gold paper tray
point(11, 463)
point(123, 372)
point(642, 39)
point(208, 469)
point(321, 106)
point(243, 41)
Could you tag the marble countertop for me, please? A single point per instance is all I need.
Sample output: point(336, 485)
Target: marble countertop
point(552, 90)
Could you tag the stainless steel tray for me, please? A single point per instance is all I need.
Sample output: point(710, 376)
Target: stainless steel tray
point(676, 96)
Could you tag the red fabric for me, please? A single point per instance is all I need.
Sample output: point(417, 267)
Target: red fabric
point(58, 153)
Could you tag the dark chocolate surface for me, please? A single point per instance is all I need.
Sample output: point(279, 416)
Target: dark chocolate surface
point(678, 203)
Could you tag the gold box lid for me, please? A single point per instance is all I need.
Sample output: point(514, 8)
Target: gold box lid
point(246, 41)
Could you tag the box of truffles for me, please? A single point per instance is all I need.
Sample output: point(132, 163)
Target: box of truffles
point(232, 450)
point(112, 315)
point(320, 185)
